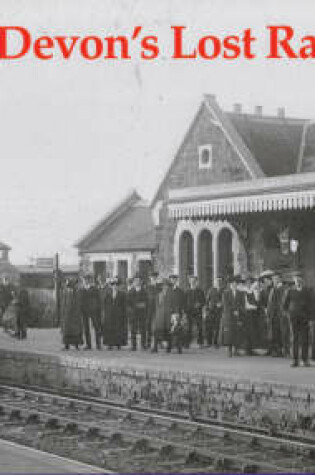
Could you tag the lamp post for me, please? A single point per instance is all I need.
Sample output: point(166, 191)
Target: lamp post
point(294, 246)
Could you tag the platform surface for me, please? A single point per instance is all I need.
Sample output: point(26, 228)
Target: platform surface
point(18, 459)
point(205, 360)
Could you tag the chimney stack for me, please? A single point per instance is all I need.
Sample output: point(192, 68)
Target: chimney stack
point(237, 108)
point(258, 110)
point(281, 112)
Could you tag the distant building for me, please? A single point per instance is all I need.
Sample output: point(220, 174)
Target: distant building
point(41, 274)
point(4, 252)
point(122, 243)
point(6, 268)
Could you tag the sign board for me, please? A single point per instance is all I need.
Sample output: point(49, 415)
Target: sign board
point(45, 262)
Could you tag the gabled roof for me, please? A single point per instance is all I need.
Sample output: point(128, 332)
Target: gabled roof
point(127, 227)
point(110, 217)
point(245, 153)
point(4, 247)
point(268, 146)
point(230, 132)
point(274, 141)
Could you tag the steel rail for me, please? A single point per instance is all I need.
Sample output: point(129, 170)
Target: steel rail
point(101, 404)
point(222, 426)
point(63, 420)
point(90, 468)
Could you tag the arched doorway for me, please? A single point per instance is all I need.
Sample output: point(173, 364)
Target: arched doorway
point(225, 251)
point(186, 257)
point(205, 265)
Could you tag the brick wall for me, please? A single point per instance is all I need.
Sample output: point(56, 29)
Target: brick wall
point(227, 166)
point(185, 172)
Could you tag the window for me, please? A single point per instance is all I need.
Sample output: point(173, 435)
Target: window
point(156, 212)
point(205, 156)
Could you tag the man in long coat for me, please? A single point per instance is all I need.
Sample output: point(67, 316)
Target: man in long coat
point(178, 309)
point(233, 316)
point(71, 321)
point(114, 324)
point(90, 303)
point(151, 295)
point(138, 300)
point(213, 314)
point(161, 325)
point(265, 283)
point(23, 312)
point(195, 301)
point(298, 303)
point(274, 315)
point(251, 314)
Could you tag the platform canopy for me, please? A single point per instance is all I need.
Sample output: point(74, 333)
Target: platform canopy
point(290, 192)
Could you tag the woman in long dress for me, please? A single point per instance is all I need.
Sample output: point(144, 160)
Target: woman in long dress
point(233, 316)
point(71, 322)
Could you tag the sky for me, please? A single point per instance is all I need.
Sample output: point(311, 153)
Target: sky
point(77, 135)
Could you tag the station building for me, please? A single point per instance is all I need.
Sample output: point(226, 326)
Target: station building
point(123, 243)
point(238, 197)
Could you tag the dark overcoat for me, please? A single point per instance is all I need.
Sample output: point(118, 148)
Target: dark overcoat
point(214, 304)
point(232, 317)
point(161, 324)
point(274, 313)
point(71, 320)
point(195, 300)
point(178, 300)
point(114, 319)
point(299, 304)
point(151, 295)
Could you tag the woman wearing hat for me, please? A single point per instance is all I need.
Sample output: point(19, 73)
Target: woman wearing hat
point(233, 316)
point(162, 319)
point(71, 323)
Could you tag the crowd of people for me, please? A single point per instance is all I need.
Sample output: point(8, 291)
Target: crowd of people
point(242, 314)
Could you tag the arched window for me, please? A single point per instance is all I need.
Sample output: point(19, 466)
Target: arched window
point(225, 264)
point(205, 269)
point(186, 257)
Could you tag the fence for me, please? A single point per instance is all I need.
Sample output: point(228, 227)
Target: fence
point(43, 308)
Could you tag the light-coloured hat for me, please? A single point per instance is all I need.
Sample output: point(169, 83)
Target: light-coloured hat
point(266, 273)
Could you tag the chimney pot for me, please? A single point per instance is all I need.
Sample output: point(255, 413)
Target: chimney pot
point(258, 110)
point(281, 112)
point(237, 108)
point(211, 96)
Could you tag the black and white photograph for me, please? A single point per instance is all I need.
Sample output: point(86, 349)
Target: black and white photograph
point(157, 236)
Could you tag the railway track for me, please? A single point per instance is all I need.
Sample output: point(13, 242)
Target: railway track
point(132, 439)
